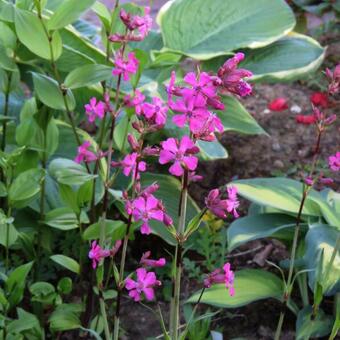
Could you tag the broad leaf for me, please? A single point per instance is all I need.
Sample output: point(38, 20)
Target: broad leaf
point(320, 246)
point(68, 12)
point(282, 193)
point(250, 285)
point(62, 218)
point(68, 172)
point(31, 33)
point(237, 118)
point(66, 262)
point(212, 150)
point(250, 228)
point(205, 29)
point(48, 91)
point(115, 230)
point(8, 234)
point(88, 75)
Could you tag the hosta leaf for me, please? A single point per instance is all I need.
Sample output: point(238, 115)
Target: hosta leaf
point(250, 285)
point(250, 228)
point(66, 262)
point(48, 91)
point(113, 229)
point(320, 244)
point(5, 240)
point(205, 29)
point(282, 193)
point(235, 117)
point(31, 33)
point(88, 75)
point(275, 62)
point(212, 150)
point(68, 12)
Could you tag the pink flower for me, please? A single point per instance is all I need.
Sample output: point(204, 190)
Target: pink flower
point(155, 112)
point(146, 209)
point(233, 78)
point(129, 164)
point(278, 104)
point(145, 261)
point(334, 162)
point(95, 109)
point(204, 127)
point(221, 207)
point(216, 205)
point(334, 80)
point(201, 88)
point(217, 276)
point(136, 22)
point(180, 153)
point(146, 281)
point(232, 201)
point(96, 254)
point(125, 67)
point(136, 101)
point(320, 99)
point(84, 155)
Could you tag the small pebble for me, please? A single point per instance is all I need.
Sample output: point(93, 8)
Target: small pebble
point(278, 164)
point(295, 109)
point(276, 146)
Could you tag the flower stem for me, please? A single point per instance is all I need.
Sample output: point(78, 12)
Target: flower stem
point(288, 288)
point(6, 107)
point(175, 302)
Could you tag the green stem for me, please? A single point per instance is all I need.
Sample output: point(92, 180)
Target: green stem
point(175, 302)
point(6, 107)
point(104, 315)
point(9, 212)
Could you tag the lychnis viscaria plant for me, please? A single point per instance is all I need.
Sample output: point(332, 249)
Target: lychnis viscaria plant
point(83, 129)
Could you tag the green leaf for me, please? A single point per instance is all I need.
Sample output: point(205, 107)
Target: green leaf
point(68, 12)
point(68, 172)
point(88, 75)
point(320, 244)
point(12, 234)
point(6, 62)
point(66, 262)
point(250, 285)
point(31, 33)
point(48, 91)
point(250, 228)
point(237, 118)
point(15, 284)
point(282, 193)
point(115, 230)
point(308, 326)
point(274, 62)
point(6, 11)
point(212, 150)
point(25, 187)
point(65, 285)
point(205, 29)
point(65, 317)
point(62, 218)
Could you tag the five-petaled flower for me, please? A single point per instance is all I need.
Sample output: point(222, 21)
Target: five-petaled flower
point(129, 165)
point(85, 155)
point(94, 110)
point(146, 209)
point(180, 153)
point(125, 67)
point(146, 281)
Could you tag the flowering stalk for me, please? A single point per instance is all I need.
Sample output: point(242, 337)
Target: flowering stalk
point(321, 122)
point(6, 107)
point(175, 302)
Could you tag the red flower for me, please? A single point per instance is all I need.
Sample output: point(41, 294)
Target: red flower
point(305, 119)
point(278, 104)
point(319, 99)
